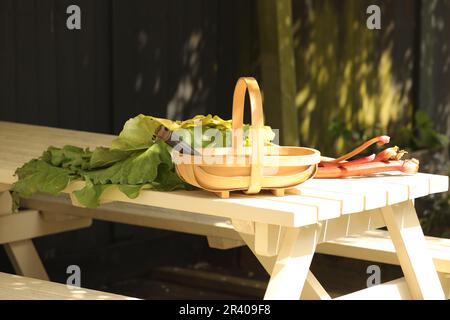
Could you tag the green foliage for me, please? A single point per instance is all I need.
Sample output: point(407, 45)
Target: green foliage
point(435, 214)
point(423, 135)
point(352, 137)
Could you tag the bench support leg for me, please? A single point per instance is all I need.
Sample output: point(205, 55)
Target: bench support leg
point(313, 290)
point(409, 242)
point(445, 282)
point(25, 259)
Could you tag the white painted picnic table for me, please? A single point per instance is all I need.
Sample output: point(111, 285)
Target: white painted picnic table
point(282, 232)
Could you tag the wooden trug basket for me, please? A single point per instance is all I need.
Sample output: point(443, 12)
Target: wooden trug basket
point(252, 169)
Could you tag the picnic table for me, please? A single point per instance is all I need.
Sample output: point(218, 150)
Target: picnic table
point(282, 232)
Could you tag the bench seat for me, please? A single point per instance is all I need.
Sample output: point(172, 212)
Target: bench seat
point(377, 246)
point(13, 287)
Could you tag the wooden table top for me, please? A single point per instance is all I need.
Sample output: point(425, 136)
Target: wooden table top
point(313, 201)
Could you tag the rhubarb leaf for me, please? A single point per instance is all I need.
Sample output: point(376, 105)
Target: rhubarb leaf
point(39, 176)
point(103, 157)
point(89, 195)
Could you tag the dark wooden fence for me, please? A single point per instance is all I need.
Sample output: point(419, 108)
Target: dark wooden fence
point(171, 58)
point(177, 58)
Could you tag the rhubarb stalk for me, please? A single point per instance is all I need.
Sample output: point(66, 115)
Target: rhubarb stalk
point(378, 140)
point(384, 161)
point(348, 163)
point(406, 166)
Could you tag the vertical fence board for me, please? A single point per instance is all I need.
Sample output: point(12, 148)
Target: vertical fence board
point(8, 110)
point(103, 103)
point(434, 64)
point(151, 56)
point(123, 63)
point(278, 68)
point(210, 26)
point(177, 89)
point(226, 55)
point(26, 61)
point(193, 59)
point(47, 98)
point(84, 60)
point(68, 80)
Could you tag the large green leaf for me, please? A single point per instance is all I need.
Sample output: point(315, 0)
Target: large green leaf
point(103, 157)
point(138, 132)
point(39, 176)
point(139, 168)
point(89, 195)
point(68, 157)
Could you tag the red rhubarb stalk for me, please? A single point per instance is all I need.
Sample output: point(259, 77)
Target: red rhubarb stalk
point(348, 163)
point(379, 140)
point(406, 166)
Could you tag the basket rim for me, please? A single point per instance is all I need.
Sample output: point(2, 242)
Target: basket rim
point(226, 157)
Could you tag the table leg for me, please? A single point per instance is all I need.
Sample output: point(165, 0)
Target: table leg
point(312, 290)
point(6, 203)
point(292, 264)
point(409, 242)
point(18, 229)
point(22, 254)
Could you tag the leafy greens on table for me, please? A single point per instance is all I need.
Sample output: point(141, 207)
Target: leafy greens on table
point(135, 161)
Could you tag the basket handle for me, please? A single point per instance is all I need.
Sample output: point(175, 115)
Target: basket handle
point(251, 85)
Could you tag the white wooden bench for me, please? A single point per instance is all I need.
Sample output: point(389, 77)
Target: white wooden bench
point(282, 232)
point(14, 287)
point(377, 246)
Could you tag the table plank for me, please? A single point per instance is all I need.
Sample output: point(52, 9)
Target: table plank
point(326, 208)
point(373, 199)
point(253, 208)
point(350, 203)
point(22, 142)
